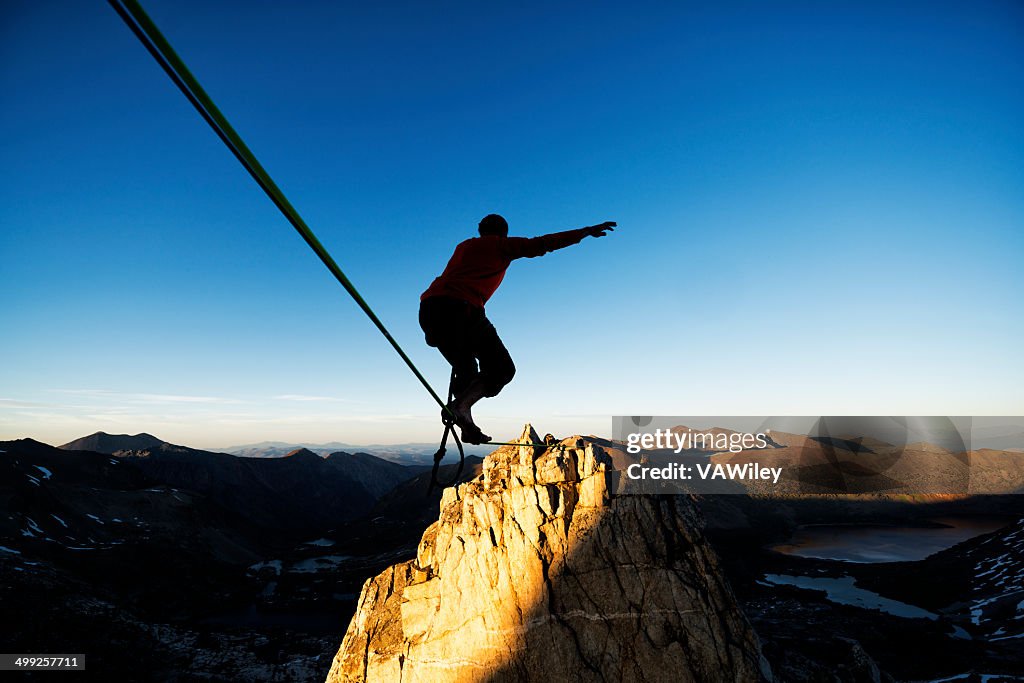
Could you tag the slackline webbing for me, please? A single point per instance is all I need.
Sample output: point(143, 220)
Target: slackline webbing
point(156, 44)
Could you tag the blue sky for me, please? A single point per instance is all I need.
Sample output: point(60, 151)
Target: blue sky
point(820, 209)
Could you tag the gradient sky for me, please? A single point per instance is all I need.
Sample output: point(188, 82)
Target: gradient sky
point(821, 212)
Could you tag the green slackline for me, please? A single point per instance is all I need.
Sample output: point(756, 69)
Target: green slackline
point(153, 40)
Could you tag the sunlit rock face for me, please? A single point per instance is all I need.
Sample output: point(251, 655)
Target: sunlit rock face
point(533, 572)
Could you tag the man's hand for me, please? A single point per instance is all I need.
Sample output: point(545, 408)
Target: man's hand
point(602, 229)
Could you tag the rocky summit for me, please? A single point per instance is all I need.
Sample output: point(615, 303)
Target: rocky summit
point(534, 571)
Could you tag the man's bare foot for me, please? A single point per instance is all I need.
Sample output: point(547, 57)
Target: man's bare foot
point(472, 434)
point(464, 419)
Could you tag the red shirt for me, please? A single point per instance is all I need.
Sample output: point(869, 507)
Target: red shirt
point(478, 265)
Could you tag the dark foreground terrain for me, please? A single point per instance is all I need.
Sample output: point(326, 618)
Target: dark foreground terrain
point(166, 563)
point(170, 564)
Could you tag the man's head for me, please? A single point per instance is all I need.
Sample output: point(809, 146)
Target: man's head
point(493, 224)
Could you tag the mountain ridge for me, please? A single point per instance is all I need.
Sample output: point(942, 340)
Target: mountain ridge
point(108, 444)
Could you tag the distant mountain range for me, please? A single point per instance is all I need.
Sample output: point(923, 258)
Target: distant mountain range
point(298, 489)
point(403, 453)
point(421, 454)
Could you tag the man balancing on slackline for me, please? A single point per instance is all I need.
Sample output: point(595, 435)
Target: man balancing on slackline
point(452, 311)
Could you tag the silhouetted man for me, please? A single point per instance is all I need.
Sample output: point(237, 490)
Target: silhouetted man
point(452, 311)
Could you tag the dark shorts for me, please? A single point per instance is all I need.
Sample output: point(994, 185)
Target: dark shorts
point(467, 340)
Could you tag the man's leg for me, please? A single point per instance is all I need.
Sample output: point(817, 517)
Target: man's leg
point(496, 370)
point(496, 366)
point(448, 326)
point(463, 363)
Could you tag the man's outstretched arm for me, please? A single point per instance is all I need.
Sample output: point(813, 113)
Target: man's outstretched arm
point(538, 246)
